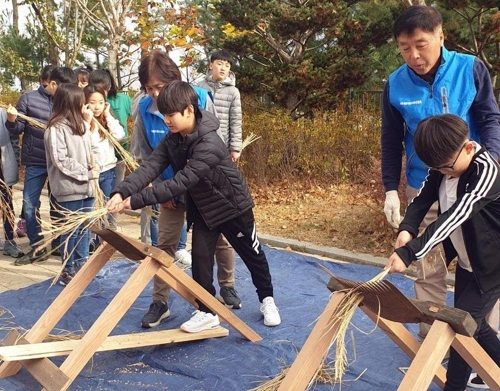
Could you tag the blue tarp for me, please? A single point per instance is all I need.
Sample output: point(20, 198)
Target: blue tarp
point(223, 364)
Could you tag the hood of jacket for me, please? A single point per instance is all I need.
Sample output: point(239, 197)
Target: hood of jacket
point(205, 124)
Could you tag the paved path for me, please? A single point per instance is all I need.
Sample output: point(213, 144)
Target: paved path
point(17, 277)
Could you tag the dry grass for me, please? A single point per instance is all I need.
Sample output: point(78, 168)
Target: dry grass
point(344, 216)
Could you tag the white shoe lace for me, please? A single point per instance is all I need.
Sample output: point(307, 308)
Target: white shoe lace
point(269, 308)
point(198, 317)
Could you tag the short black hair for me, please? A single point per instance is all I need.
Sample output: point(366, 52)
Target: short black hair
point(222, 55)
point(439, 137)
point(63, 75)
point(176, 97)
point(104, 78)
point(421, 17)
point(45, 75)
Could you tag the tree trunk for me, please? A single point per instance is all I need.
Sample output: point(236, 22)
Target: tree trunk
point(113, 55)
point(15, 15)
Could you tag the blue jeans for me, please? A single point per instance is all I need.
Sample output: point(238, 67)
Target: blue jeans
point(76, 247)
point(34, 180)
point(184, 237)
point(107, 182)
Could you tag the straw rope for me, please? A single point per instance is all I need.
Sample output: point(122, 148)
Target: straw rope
point(30, 120)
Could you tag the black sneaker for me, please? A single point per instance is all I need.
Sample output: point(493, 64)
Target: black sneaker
point(157, 312)
point(32, 257)
point(476, 382)
point(229, 297)
point(65, 278)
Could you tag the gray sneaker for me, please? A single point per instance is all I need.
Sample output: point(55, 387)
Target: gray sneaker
point(11, 249)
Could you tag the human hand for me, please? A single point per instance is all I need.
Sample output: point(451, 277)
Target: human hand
point(403, 238)
point(395, 264)
point(117, 204)
point(169, 205)
point(235, 156)
point(12, 113)
point(87, 113)
point(391, 208)
point(106, 109)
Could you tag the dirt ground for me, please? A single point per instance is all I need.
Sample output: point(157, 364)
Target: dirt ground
point(344, 216)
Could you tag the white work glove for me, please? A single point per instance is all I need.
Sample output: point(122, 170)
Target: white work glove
point(391, 208)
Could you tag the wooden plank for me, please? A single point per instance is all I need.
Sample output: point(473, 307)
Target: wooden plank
point(132, 248)
point(470, 350)
point(179, 288)
point(108, 319)
point(115, 342)
point(47, 373)
point(404, 339)
point(429, 358)
point(314, 350)
point(196, 290)
point(384, 298)
point(62, 303)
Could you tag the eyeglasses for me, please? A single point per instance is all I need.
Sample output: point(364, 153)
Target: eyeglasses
point(449, 167)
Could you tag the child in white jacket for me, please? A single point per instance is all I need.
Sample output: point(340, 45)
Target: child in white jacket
point(95, 98)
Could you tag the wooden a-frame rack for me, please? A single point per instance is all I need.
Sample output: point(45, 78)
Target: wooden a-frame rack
point(389, 309)
point(29, 350)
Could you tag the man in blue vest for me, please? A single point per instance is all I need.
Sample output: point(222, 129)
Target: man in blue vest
point(432, 81)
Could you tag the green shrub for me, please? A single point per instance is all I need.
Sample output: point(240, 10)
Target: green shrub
point(335, 146)
point(11, 97)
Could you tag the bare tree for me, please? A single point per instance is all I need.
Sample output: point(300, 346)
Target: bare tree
point(108, 17)
point(66, 39)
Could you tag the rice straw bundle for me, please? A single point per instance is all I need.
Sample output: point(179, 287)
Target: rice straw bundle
point(30, 120)
point(249, 140)
point(127, 158)
point(68, 224)
point(5, 209)
point(341, 319)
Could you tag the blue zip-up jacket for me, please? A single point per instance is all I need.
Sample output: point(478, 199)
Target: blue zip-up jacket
point(154, 127)
point(461, 86)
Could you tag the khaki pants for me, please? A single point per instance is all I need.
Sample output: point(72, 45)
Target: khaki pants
point(430, 284)
point(170, 224)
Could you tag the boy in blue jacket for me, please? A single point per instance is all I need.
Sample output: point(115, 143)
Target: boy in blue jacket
point(464, 179)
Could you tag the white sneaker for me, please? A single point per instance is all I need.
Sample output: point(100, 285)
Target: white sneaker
point(183, 256)
point(476, 382)
point(200, 321)
point(270, 312)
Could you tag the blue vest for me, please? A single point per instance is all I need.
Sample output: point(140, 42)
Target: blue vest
point(155, 127)
point(453, 91)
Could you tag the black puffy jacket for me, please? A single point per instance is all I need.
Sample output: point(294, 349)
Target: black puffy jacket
point(203, 169)
point(37, 105)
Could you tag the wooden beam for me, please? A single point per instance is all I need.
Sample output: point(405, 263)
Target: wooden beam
point(470, 350)
point(404, 339)
point(315, 349)
point(164, 274)
point(108, 319)
point(428, 358)
point(196, 290)
point(62, 303)
point(115, 342)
